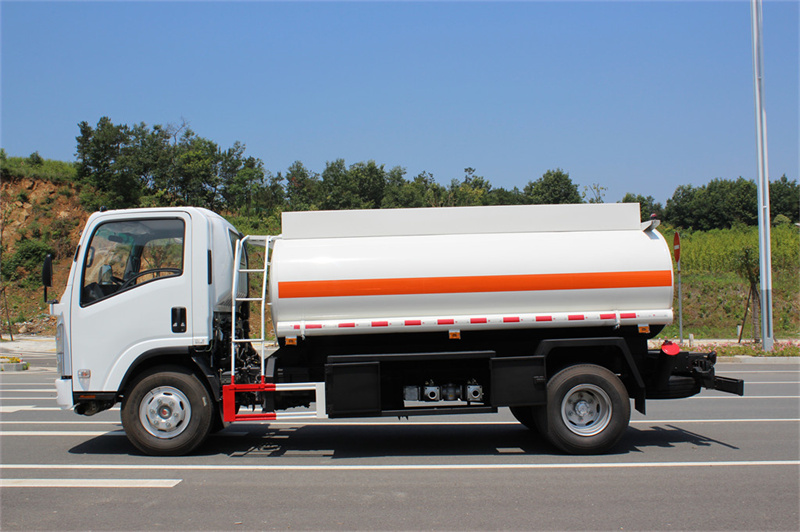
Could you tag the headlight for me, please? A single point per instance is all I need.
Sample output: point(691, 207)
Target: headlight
point(62, 364)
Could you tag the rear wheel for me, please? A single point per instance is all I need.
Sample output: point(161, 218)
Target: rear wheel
point(588, 410)
point(167, 411)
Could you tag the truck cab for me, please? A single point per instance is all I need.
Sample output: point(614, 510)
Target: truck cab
point(144, 285)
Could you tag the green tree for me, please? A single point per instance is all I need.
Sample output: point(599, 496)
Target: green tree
point(682, 208)
point(554, 187)
point(473, 190)
point(159, 166)
point(784, 198)
point(99, 153)
point(501, 196)
point(340, 191)
point(196, 179)
point(370, 183)
point(149, 155)
point(594, 192)
point(243, 183)
point(400, 192)
point(303, 188)
point(34, 159)
point(729, 202)
point(360, 186)
point(720, 204)
point(271, 197)
point(422, 191)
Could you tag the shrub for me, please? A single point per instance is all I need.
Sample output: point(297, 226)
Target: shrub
point(34, 159)
point(27, 258)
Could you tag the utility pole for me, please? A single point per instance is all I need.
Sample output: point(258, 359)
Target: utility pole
point(764, 245)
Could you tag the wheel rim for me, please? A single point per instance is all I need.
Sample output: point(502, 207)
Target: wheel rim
point(586, 410)
point(165, 412)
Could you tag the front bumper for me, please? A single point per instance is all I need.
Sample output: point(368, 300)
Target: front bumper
point(64, 393)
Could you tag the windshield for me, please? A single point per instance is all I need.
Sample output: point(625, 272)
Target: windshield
point(127, 254)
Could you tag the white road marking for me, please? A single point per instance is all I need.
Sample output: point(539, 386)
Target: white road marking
point(747, 397)
point(45, 398)
point(7, 433)
point(395, 467)
point(666, 421)
point(121, 432)
point(59, 423)
point(727, 371)
point(4, 409)
point(89, 482)
point(7, 388)
point(457, 423)
point(33, 408)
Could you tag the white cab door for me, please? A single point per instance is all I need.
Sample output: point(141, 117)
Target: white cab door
point(132, 295)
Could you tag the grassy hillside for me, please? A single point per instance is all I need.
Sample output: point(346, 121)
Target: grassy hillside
point(714, 296)
point(40, 214)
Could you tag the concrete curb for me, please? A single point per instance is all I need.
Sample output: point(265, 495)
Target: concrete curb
point(743, 359)
point(13, 366)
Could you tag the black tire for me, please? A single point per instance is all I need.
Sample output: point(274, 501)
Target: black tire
point(587, 412)
point(527, 415)
point(167, 411)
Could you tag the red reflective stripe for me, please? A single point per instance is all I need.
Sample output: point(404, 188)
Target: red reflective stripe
point(296, 327)
point(627, 315)
point(380, 323)
point(511, 319)
point(477, 320)
point(544, 318)
point(607, 316)
point(474, 284)
point(314, 326)
point(413, 322)
point(446, 322)
point(347, 325)
point(575, 317)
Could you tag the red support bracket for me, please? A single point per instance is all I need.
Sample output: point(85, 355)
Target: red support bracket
point(229, 392)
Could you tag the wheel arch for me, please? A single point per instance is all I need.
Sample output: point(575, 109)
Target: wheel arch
point(617, 357)
point(171, 357)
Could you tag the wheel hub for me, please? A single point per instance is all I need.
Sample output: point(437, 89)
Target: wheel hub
point(165, 412)
point(586, 410)
point(582, 408)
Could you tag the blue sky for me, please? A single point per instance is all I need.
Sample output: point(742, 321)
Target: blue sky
point(635, 96)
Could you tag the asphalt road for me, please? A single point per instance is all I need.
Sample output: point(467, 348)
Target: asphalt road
point(712, 462)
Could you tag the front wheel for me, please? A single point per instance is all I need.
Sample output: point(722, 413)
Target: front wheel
point(167, 411)
point(588, 410)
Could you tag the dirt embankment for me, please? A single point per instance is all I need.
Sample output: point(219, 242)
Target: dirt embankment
point(36, 210)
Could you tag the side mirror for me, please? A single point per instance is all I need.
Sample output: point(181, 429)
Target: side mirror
point(47, 274)
point(106, 275)
point(47, 271)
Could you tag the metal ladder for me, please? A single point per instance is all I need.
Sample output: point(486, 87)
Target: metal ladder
point(229, 391)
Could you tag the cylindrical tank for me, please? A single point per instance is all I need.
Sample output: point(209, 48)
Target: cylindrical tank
point(453, 269)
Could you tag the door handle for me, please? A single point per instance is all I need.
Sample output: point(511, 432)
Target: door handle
point(178, 319)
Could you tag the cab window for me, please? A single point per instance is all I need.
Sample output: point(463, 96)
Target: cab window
point(127, 254)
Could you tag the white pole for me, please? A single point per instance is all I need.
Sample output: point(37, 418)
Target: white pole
point(680, 307)
point(764, 247)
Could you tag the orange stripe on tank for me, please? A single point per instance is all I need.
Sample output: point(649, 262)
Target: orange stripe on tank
point(474, 284)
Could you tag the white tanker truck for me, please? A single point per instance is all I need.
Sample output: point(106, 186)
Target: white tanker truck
point(544, 309)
